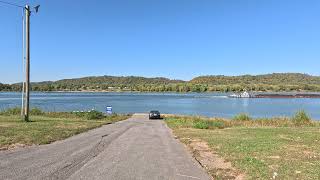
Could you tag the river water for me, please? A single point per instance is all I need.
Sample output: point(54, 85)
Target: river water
point(206, 104)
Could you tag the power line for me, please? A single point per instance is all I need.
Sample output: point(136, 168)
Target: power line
point(26, 54)
point(12, 4)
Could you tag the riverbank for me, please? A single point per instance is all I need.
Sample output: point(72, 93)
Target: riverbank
point(276, 148)
point(137, 91)
point(46, 128)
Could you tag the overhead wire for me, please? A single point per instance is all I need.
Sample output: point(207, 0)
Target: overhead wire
point(23, 50)
point(11, 4)
point(23, 102)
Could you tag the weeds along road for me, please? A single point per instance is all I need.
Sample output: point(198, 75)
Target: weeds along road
point(136, 148)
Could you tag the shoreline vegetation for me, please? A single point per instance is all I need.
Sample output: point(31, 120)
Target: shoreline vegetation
point(276, 82)
point(259, 148)
point(47, 127)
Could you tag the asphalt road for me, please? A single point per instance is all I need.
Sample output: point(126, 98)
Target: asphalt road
point(136, 148)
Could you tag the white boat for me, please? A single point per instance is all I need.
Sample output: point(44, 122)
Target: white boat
point(244, 94)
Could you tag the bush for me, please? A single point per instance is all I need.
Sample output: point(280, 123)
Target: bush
point(186, 122)
point(242, 117)
point(207, 124)
point(216, 124)
point(11, 111)
point(201, 124)
point(80, 114)
point(301, 118)
point(36, 111)
point(94, 114)
point(17, 111)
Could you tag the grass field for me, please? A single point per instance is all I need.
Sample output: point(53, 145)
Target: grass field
point(46, 128)
point(278, 148)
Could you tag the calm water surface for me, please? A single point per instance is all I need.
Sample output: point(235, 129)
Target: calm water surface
point(207, 104)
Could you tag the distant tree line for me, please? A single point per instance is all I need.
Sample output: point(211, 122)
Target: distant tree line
point(269, 82)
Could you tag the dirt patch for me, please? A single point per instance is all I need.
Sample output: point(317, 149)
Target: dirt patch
point(274, 157)
point(5, 125)
point(12, 146)
point(212, 162)
point(303, 151)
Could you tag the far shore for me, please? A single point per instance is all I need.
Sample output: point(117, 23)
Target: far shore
point(124, 91)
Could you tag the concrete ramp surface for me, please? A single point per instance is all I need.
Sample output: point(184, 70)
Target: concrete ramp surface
point(137, 148)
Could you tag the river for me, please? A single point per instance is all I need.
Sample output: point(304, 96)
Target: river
point(205, 104)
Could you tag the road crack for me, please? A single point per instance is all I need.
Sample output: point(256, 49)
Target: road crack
point(76, 163)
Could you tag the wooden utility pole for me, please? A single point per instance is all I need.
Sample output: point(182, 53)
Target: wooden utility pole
point(27, 85)
point(26, 37)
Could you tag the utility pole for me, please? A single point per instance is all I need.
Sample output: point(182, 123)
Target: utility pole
point(27, 85)
point(26, 35)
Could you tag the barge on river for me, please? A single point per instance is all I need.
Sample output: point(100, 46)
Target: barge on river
point(246, 94)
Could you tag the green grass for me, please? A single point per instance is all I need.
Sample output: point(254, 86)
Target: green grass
point(47, 127)
point(242, 117)
point(257, 148)
point(301, 118)
point(199, 124)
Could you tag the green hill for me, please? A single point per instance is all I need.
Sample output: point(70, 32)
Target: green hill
point(116, 80)
point(268, 82)
point(102, 83)
point(270, 79)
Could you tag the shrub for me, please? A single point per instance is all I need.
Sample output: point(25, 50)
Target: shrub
point(94, 114)
point(207, 124)
point(11, 111)
point(274, 121)
point(216, 124)
point(80, 114)
point(242, 117)
point(301, 118)
point(36, 111)
point(201, 124)
point(181, 122)
point(17, 111)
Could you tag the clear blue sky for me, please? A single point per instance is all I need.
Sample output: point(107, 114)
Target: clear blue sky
point(178, 39)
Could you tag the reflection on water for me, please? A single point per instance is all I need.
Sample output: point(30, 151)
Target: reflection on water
point(207, 104)
point(245, 102)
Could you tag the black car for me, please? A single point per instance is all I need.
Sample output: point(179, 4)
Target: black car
point(154, 115)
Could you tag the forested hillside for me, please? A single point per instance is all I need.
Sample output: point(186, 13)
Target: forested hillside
point(102, 83)
point(5, 87)
point(272, 79)
point(268, 82)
